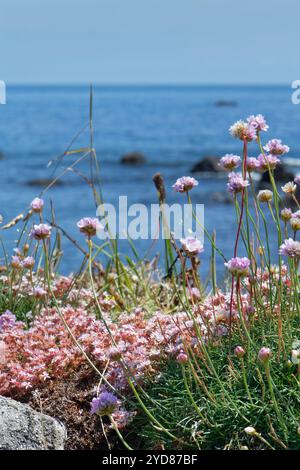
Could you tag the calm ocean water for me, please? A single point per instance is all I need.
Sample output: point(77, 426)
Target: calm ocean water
point(173, 126)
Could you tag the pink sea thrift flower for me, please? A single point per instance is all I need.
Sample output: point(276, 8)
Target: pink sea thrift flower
point(239, 352)
point(39, 292)
point(182, 358)
point(37, 204)
point(192, 246)
point(275, 147)
point(258, 122)
point(238, 266)
point(243, 131)
point(28, 262)
point(105, 404)
point(40, 232)
point(89, 226)
point(230, 161)
point(16, 262)
point(236, 183)
point(184, 184)
point(264, 355)
point(267, 162)
point(290, 248)
point(252, 164)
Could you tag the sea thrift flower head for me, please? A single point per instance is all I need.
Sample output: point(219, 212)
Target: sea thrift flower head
point(16, 262)
point(243, 131)
point(39, 292)
point(230, 161)
point(252, 164)
point(265, 195)
point(40, 232)
point(184, 184)
point(275, 147)
point(295, 223)
point(290, 248)
point(286, 214)
point(182, 358)
point(239, 352)
point(104, 405)
point(194, 293)
point(37, 204)
point(28, 262)
point(236, 183)
point(238, 266)
point(250, 430)
point(264, 355)
point(267, 162)
point(192, 246)
point(289, 188)
point(7, 319)
point(89, 226)
point(258, 122)
point(297, 180)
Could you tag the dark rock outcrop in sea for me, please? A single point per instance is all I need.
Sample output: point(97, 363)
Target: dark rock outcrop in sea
point(207, 164)
point(282, 174)
point(133, 158)
point(22, 428)
point(43, 182)
point(222, 103)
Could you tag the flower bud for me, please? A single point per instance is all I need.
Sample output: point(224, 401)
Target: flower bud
point(286, 214)
point(182, 358)
point(250, 431)
point(265, 195)
point(295, 224)
point(239, 352)
point(264, 355)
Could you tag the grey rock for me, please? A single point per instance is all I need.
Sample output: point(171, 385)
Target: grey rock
point(133, 158)
point(22, 428)
point(207, 164)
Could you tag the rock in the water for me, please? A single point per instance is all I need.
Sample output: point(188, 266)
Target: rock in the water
point(209, 164)
point(222, 103)
point(282, 175)
point(133, 158)
point(22, 428)
point(43, 182)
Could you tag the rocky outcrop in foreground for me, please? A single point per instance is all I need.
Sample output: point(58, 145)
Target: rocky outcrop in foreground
point(22, 428)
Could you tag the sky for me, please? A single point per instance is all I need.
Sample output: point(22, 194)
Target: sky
point(149, 41)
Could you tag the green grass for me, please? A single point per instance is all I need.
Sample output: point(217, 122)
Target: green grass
point(220, 419)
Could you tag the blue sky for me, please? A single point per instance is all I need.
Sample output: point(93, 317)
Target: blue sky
point(149, 41)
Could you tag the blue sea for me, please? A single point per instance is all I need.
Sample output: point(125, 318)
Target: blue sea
point(173, 126)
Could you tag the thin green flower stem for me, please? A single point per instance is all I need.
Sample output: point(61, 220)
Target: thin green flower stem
point(245, 380)
point(115, 426)
point(205, 230)
point(274, 401)
point(192, 398)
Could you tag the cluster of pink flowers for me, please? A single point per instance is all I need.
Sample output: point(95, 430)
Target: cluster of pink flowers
point(184, 184)
point(40, 232)
point(236, 183)
point(191, 246)
point(30, 356)
point(238, 266)
point(230, 161)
